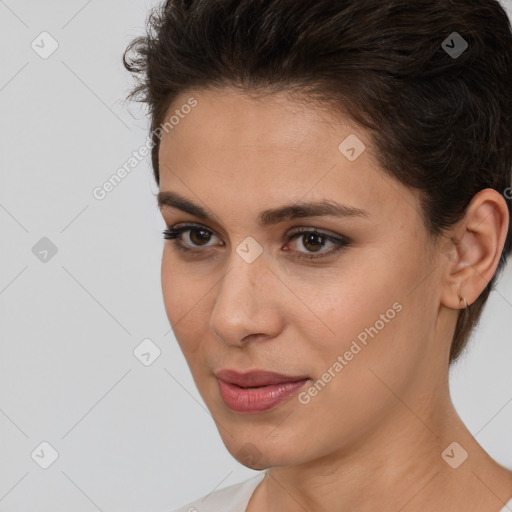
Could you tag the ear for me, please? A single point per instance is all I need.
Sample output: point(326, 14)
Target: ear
point(477, 243)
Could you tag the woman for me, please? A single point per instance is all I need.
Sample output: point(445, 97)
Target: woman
point(336, 181)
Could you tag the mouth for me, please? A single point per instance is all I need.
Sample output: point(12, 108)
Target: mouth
point(257, 391)
point(256, 378)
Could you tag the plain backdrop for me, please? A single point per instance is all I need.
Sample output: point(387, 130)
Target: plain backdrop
point(86, 422)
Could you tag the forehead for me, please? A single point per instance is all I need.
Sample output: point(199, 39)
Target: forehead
point(272, 148)
point(231, 120)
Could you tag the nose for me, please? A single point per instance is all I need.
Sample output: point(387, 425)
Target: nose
point(247, 303)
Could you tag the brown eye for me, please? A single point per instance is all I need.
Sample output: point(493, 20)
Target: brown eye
point(311, 241)
point(199, 236)
point(314, 241)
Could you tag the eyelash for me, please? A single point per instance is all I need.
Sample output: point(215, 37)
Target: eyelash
point(173, 234)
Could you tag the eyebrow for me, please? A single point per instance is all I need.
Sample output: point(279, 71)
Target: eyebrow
point(266, 217)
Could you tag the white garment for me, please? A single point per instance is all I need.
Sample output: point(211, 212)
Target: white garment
point(235, 498)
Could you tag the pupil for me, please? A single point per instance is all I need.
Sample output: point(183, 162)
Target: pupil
point(203, 237)
point(311, 236)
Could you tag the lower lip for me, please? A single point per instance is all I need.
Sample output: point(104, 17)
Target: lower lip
point(258, 399)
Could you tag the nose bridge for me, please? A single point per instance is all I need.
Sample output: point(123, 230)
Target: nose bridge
point(242, 301)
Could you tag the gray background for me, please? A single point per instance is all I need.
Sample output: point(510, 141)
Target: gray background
point(129, 436)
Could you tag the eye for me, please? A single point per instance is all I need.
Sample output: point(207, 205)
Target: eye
point(197, 235)
point(312, 239)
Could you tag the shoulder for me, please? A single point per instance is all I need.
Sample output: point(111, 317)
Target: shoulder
point(230, 499)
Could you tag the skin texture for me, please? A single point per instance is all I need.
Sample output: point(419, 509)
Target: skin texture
point(373, 436)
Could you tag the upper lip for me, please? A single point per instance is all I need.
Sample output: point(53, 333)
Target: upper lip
point(255, 378)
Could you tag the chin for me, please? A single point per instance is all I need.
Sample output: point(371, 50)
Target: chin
point(259, 455)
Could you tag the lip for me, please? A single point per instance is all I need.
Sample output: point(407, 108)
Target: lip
point(258, 390)
point(256, 378)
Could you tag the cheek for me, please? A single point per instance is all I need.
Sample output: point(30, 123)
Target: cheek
point(171, 285)
point(178, 288)
point(362, 317)
point(378, 346)
point(186, 307)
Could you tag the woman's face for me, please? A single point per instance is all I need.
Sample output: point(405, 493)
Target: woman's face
point(361, 320)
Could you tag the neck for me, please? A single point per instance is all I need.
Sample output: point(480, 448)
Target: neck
point(399, 467)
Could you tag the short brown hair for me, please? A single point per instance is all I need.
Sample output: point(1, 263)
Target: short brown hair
point(440, 122)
